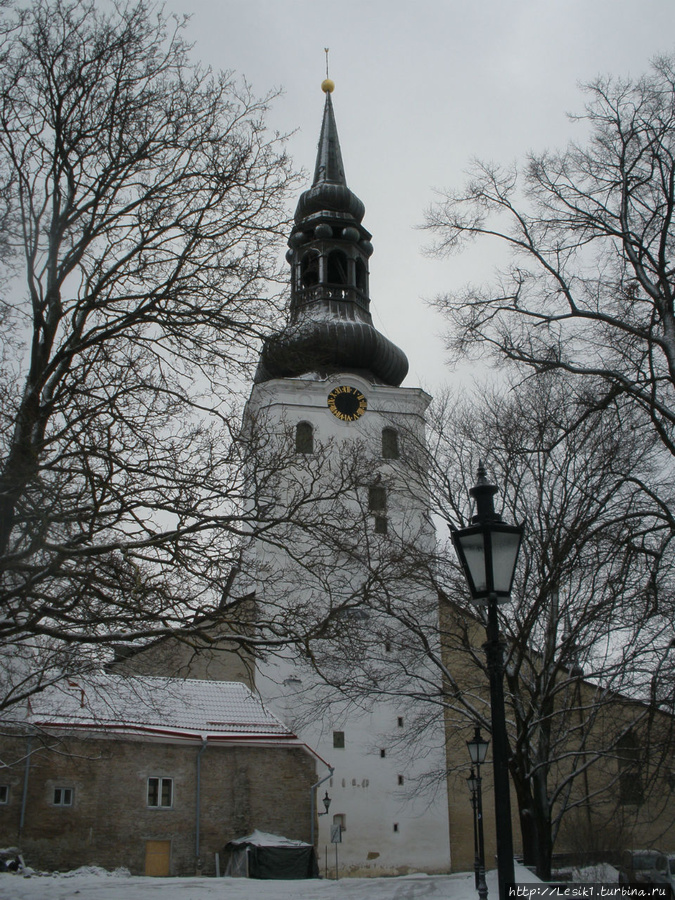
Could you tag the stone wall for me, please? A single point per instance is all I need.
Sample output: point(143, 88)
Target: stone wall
point(109, 821)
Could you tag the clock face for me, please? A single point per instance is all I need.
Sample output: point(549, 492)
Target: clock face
point(347, 403)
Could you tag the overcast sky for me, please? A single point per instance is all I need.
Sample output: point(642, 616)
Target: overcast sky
point(422, 87)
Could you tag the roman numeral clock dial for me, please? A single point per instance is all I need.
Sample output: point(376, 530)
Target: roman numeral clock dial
point(347, 403)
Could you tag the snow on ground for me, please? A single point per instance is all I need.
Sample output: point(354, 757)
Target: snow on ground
point(96, 884)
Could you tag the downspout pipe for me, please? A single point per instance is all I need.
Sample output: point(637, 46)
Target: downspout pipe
point(198, 862)
point(312, 795)
point(24, 795)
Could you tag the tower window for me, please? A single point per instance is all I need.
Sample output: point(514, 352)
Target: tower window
point(304, 438)
point(400, 721)
point(4, 793)
point(390, 443)
point(377, 498)
point(338, 268)
point(383, 753)
point(361, 276)
point(341, 820)
point(401, 779)
point(309, 269)
point(395, 826)
point(339, 740)
point(380, 524)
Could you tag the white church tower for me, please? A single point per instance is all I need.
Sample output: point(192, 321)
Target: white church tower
point(330, 383)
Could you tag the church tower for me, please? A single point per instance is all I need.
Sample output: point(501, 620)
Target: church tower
point(330, 383)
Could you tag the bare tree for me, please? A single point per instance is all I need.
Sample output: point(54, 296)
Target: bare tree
point(588, 629)
point(142, 204)
point(590, 230)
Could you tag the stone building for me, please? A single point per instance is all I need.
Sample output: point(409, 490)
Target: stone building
point(154, 774)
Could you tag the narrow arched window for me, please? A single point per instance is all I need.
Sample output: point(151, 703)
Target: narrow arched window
point(309, 269)
point(361, 276)
point(377, 506)
point(390, 443)
point(304, 438)
point(338, 268)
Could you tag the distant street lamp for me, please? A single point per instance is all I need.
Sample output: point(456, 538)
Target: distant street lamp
point(326, 802)
point(326, 805)
point(478, 751)
point(488, 552)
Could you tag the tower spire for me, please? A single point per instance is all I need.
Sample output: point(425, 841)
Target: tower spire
point(330, 327)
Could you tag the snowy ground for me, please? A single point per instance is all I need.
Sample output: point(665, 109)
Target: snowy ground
point(95, 884)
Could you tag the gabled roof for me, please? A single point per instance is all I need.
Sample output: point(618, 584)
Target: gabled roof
point(180, 708)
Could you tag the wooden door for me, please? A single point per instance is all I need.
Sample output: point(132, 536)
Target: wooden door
point(158, 858)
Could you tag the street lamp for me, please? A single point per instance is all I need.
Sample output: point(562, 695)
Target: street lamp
point(478, 751)
point(488, 551)
point(326, 805)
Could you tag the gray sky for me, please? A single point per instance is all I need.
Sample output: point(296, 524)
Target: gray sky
point(422, 87)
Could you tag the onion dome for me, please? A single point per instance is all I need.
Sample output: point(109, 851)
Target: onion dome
point(330, 326)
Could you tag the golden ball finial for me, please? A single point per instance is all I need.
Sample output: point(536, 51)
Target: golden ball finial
point(328, 85)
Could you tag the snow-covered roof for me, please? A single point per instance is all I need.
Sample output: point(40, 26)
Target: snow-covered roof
point(184, 708)
point(265, 839)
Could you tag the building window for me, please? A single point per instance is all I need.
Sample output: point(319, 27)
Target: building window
point(377, 504)
point(383, 753)
point(160, 793)
point(377, 498)
point(631, 792)
point(390, 443)
point(304, 438)
point(400, 721)
point(380, 524)
point(309, 269)
point(4, 793)
point(401, 779)
point(395, 826)
point(339, 740)
point(63, 796)
point(338, 268)
point(361, 276)
point(341, 820)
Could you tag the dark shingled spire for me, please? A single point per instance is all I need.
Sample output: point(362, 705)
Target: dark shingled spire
point(330, 327)
point(329, 166)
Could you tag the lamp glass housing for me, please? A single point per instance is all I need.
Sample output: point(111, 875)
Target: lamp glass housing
point(478, 748)
point(488, 553)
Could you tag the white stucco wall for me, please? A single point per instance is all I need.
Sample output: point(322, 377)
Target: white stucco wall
point(390, 827)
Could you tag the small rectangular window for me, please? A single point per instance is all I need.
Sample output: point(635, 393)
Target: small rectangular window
point(160, 793)
point(4, 793)
point(377, 498)
point(383, 753)
point(380, 524)
point(339, 740)
point(63, 796)
point(390, 443)
point(400, 721)
point(401, 779)
point(341, 820)
point(395, 826)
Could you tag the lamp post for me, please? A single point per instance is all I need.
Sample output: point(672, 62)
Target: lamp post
point(478, 751)
point(471, 781)
point(488, 551)
point(326, 802)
